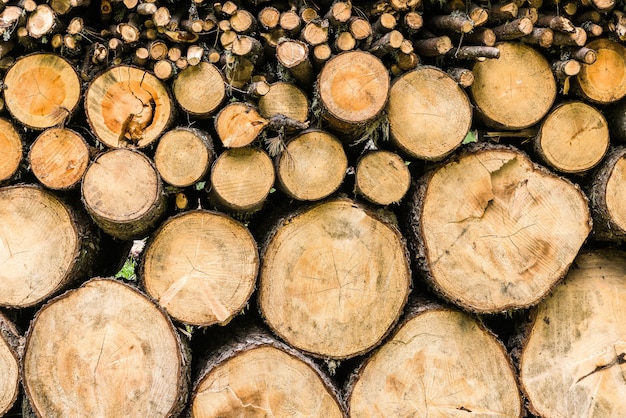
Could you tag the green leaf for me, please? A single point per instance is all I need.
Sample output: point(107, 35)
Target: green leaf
point(128, 270)
point(471, 136)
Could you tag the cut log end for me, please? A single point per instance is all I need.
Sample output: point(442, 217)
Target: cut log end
point(200, 89)
point(382, 177)
point(104, 350)
point(128, 107)
point(604, 81)
point(42, 90)
point(509, 228)
point(238, 124)
point(323, 270)
point(10, 150)
point(201, 267)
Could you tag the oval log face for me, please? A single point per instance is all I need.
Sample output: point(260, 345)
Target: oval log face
point(324, 270)
point(42, 90)
point(127, 107)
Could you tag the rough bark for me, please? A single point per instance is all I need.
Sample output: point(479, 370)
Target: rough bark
point(324, 270)
point(11, 347)
point(509, 228)
point(104, 349)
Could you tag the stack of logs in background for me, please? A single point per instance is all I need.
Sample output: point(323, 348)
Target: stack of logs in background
point(312, 208)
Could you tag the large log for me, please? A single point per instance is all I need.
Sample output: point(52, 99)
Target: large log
point(508, 227)
point(439, 362)
point(323, 270)
point(104, 350)
point(572, 359)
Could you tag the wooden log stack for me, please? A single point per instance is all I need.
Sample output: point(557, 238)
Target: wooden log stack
point(338, 208)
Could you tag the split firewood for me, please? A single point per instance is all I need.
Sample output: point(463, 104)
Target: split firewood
point(255, 372)
point(572, 356)
point(511, 230)
point(603, 81)
point(201, 267)
point(11, 346)
point(59, 158)
point(183, 156)
point(128, 107)
point(312, 166)
point(41, 90)
point(353, 90)
point(406, 375)
point(606, 198)
point(573, 137)
point(436, 101)
point(105, 349)
point(46, 245)
point(123, 193)
point(382, 177)
point(516, 104)
point(241, 179)
point(324, 269)
point(10, 150)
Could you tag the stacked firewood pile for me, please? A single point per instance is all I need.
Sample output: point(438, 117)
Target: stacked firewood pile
point(312, 208)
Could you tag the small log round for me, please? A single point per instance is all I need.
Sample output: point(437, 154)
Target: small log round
point(200, 89)
point(238, 124)
point(201, 267)
point(436, 348)
point(604, 81)
point(382, 177)
point(41, 90)
point(429, 114)
point(59, 158)
point(104, 349)
point(10, 150)
point(128, 107)
point(572, 354)
point(312, 166)
point(123, 193)
point(285, 99)
point(573, 137)
point(508, 227)
point(241, 179)
point(325, 270)
point(353, 89)
point(184, 156)
point(44, 245)
point(514, 91)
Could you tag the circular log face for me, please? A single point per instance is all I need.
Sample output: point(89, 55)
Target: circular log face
point(103, 350)
point(615, 196)
point(429, 114)
point(313, 166)
point(354, 87)
point(604, 81)
point(42, 90)
point(200, 89)
point(572, 363)
point(574, 137)
point(382, 177)
point(324, 271)
point(286, 99)
point(201, 267)
point(507, 228)
point(516, 90)
point(263, 381)
point(9, 366)
point(59, 158)
point(38, 244)
point(440, 363)
point(183, 156)
point(127, 107)
point(10, 149)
